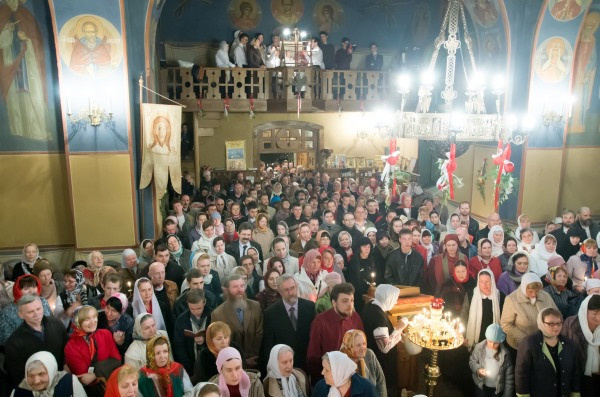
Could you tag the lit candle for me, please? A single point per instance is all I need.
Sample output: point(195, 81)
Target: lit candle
point(373, 277)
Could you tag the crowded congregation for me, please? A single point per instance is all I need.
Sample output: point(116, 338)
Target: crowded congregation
point(295, 198)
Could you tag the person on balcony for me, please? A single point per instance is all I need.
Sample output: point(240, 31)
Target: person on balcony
point(253, 56)
point(374, 61)
point(222, 56)
point(343, 56)
point(239, 54)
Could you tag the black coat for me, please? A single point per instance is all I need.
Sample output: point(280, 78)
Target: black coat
point(183, 346)
point(404, 269)
point(205, 366)
point(173, 272)
point(233, 249)
point(125, 324)
point(23, 343)
point(277, 328)
point(359, 275)
point(180, 305)
point(535, 374)
point(594, 229)
point(374, 62)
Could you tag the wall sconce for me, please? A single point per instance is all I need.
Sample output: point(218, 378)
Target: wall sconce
point(517, 133)
point(551, 117)
point(93, 115)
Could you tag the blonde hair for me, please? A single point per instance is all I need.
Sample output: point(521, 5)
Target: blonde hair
point(125, 371)
point(84, 313)
point(590, 243)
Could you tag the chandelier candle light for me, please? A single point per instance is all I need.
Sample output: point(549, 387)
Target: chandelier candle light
point(435, 330)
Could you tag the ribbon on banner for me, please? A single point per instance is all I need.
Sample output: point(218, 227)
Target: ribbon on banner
point(226, 105)
point(251, 106)
point(505, 166)
point(448, 168)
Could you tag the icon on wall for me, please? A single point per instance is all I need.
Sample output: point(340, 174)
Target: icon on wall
point(328, 15)
point(235, 154)
point(287, 12)
point(244, 14)
point(553, 59)
point(567, 10)
point(90, 45)
point(484, 12)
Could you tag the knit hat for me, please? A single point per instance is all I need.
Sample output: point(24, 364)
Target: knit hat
point(451, 237)
point(556, 261)
point(369, 230)
point(382, 234)
point(332, 279)
point(40, 265)
point(592, 283)
point(494, 333)
point(215, 215)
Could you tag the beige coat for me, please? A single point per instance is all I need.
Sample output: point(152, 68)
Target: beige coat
point(272, 387)
point(519, 316)
point(264, 239)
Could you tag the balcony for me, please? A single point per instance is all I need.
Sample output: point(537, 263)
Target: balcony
point(275, 89)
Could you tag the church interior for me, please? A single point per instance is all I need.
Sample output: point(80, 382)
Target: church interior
point(111, 108)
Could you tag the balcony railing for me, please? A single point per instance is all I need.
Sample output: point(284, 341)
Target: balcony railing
point(213, 85)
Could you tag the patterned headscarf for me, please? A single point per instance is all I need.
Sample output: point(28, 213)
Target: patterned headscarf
point(73, 296)
point(348, 348)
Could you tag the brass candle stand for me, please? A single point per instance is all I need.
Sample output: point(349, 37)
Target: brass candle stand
point(435, 331)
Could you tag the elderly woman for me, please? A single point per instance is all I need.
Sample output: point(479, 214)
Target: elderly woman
point(311, 279)
point(584, 330)
point(178, 254)
point(50, 288)
point(114, 319)
point(232, 379)
point(31, 253)
point(380, 331)
point(42, 378)
point(485, 307)
point(130, 265)
point(145, 301)
point(492, 368)
point(557, 277)
point(584, 264)
point(262, 233)
point(91, 273)
point(123, 382)
point(544, 251)
point(354, 345)
point(218, 337)
point(519, 315)
point(496, 237)
point(283, 380)
point(161, 376)
point(341, 379)
point(547, 362)
point(144, 329)
point(485, 260)
point(75, 294)
point(90, 352)
point(517, 266)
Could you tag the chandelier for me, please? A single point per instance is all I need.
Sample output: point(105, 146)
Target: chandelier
point(475, 123)
point(435, 331)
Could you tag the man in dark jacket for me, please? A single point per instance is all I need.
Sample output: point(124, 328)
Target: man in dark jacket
point(465, 215)
point(190, 330)
point(237, 249)
point(404, 266)
point(492, 220)
point(279, 327)
point(195, 280)
point(36, 333)
point(563, 243)
point(585, 224)
point(328, 52)
point(374, 61)
point(343, 56)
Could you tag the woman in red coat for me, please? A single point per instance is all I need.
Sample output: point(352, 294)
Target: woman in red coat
point(441, 267)
point(485, 260)
point(89, 348)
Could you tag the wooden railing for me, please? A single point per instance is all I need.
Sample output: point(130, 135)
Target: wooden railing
point(286, 83)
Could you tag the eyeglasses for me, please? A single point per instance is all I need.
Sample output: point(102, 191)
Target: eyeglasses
point(558, 324)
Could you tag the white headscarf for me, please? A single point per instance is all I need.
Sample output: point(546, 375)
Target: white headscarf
point(497, 248)
point(342, 368)
point(529, 278)
point(208, 278)
point(518, 229)
point(27, 265)
point(449, 227)
point(540, 257)
point(592, 363)
point(476, 312)
point(386, 297)
point(289, 384)
point(138, 305)
point(54, 375)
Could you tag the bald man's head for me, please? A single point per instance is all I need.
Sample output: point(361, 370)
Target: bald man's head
point(156, 272)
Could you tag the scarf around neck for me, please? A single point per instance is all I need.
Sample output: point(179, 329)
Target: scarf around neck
point(592, 363)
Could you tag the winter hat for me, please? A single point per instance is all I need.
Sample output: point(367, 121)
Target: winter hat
point(494, 333)
point(556, 261)
point(332, 279)
point(215, 215)
point(592, 283)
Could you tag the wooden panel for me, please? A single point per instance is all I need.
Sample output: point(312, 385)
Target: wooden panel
point(579, 185)
point(541, 184)
point(102, 202)
point(35, 200)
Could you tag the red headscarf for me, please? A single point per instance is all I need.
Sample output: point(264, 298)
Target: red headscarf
point(112, 386)
point(332, 252)
point(18, 293)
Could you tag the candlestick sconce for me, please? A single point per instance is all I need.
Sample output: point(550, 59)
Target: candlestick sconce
point(94, 114)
